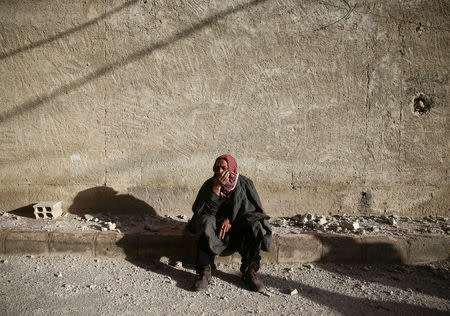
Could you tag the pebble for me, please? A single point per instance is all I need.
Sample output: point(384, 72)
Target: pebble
point(88, 217)
point(178, 264)
point(3, 261)
point(111, 226)
point(58, 274)
point(294, 292)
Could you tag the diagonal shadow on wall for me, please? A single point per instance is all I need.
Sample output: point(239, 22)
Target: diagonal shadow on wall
point(41, 99)
point(67, 32)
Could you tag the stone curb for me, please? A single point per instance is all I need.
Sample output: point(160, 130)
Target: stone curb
point(180, 246)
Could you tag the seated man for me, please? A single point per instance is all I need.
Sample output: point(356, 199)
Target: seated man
point(229, 215)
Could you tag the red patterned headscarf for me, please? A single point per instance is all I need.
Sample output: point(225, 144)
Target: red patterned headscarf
point(232, 169)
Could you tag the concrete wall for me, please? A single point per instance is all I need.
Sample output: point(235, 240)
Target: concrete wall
point(313, 98)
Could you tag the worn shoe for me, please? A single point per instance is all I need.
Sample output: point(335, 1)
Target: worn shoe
point(203, 279)
point(252, 279)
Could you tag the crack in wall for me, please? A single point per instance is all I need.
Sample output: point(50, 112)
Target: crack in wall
point(105, 179)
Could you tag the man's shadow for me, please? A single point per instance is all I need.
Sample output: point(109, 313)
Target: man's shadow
point(146, 237)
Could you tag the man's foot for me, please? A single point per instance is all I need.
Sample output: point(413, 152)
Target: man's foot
point(252, 279)
point(203, 279)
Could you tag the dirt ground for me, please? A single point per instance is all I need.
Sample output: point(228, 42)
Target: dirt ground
point(73, 285)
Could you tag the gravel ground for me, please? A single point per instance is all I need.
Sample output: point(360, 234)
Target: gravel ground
point(73, 285)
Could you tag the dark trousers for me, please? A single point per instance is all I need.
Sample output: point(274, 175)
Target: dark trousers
point(243, 241)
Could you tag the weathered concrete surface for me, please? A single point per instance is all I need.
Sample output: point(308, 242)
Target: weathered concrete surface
point(314, 99)
point(178, 245)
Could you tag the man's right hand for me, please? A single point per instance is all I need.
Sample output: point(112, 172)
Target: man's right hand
point(219, 181)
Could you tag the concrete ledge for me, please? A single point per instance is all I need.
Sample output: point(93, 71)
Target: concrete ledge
point(303, 248)
point(384, 249)
point(26, 242)
point(72, 243)
point(180, 246)
point(107, 245)
point(338, 248)
point(423, 249)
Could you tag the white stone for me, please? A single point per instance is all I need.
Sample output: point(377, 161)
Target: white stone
point(88, 217)
point(294, 292)
point(322, 221)
point(111, 226)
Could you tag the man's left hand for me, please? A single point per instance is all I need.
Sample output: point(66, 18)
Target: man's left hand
point(225, 227)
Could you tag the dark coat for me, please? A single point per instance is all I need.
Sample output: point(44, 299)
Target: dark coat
point(244, 210)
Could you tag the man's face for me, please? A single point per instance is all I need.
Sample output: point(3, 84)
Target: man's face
point(220, 166)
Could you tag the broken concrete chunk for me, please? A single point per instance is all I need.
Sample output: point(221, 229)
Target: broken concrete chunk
point(350, 225)
point(111, 226)
point(393, 221)
point(322, 220)
point(88, 217)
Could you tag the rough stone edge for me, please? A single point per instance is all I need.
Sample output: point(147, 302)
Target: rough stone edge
point(121, 251)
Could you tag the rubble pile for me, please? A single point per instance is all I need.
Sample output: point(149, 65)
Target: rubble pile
point(366, 224)
point(301, 223)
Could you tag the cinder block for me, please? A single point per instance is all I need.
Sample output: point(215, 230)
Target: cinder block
point(48, 210)
point(424, 249)
point(72, 243)
point(384, 249)
point(26, 242)
point(339, 248)
point(299, 248)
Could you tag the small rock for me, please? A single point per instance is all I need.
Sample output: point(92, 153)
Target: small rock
point(309, 266)
point(58, 274)
point(96, 260)
point(66, 286)
point(88, 217)
point(164, 260)
point(182, 216)
point(294, 292)
point(178, 264)
point(92, 286)
point(104, 229)
point(111, 226)
point(3, 261)
point(96, 219)
point(322, 221)
point(350, 225)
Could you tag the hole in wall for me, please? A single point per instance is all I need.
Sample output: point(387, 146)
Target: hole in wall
point(422, 104)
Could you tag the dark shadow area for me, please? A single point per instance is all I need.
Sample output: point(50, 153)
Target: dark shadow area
point(381, 256)
point(67, 32)
point(183, 279)
point(24, 211)
point(103, 199)
point(144, 234)
point(66, 88)
point(347, 305)
point(403, 277)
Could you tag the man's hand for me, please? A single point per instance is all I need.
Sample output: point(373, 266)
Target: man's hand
point(225, 227)
point(220, 180)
